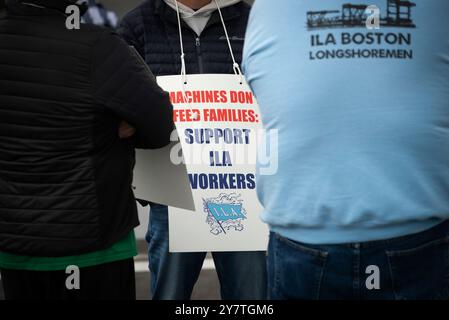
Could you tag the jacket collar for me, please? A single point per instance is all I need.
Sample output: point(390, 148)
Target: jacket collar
point(168, 14)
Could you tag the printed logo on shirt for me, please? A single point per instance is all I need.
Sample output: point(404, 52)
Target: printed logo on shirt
point(224, 213)
point(361, 43)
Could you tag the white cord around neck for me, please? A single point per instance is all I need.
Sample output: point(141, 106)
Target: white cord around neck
point(183, 60)
point(235, 65)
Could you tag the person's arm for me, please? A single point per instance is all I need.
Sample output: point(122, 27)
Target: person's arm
point(126, 87)
point(259, 39)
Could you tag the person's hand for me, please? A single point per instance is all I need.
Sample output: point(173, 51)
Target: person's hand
point(125, 130)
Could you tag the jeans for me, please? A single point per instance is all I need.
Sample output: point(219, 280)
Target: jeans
point(410, 267)
point(242, 275)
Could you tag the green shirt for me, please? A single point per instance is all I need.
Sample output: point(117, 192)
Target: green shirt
point(122, 250)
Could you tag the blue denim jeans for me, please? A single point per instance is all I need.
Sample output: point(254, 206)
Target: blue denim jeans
point(410, 267)
point(242, 275)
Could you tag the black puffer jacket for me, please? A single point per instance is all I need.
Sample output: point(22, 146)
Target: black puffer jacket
point(65, 176)
point(153, 29)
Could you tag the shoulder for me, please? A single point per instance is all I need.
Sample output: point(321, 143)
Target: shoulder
point(135, 16)
point(240, 14)
point(88, 34)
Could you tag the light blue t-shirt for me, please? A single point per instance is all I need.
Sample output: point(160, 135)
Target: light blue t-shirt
point(362, 116)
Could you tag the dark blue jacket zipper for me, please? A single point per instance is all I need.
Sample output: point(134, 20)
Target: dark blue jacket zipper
point(199, 54)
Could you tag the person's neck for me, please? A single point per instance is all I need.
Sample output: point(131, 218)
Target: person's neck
point(195, 4)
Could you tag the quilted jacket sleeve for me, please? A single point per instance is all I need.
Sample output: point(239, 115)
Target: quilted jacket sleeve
point(126, 86)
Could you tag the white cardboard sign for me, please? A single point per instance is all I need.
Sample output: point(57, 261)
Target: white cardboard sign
point(218, 120)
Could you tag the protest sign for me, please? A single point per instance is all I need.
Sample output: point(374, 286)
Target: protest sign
point(217, 119)
point(159, 180)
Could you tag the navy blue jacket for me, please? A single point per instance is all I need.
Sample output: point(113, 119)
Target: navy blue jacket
point(152, 28)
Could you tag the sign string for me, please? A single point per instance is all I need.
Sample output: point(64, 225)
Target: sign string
point(235, 65)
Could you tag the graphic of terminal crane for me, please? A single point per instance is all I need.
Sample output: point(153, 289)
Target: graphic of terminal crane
point(355, 15)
